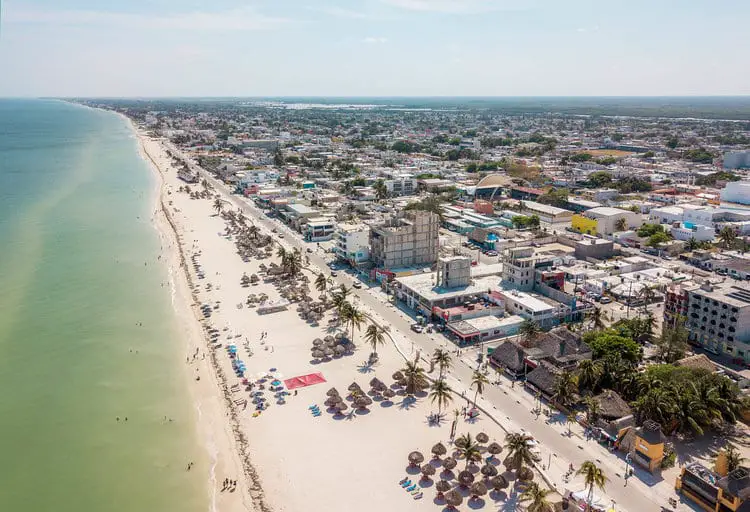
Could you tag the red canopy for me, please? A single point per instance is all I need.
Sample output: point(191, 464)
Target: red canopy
point(304, 380)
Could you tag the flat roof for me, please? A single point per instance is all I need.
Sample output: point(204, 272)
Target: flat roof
point(552, 210)
point(493, 322)
point(606, 211)
point(528, 301)
point(301, 208)
point(424, 286)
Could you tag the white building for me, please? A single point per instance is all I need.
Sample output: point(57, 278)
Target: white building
point(352, 243)
point(401, 185)
point(666, 215)
point(736, 192)
point(607, 218)
point(546, 213)
point(532, 307)
point(319, 229)
point(683, 231)
point(737, 160)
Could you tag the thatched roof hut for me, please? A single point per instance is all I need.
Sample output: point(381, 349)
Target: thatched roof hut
point(499, 482)
point(494, 448)
point(453, 498)
point(478, 489)
point(427, 470)
point(525, 474)
point(489, 470)
point(415, 458)
point(450, 463)
point(443, 486)
point(465, 478)
point(482, 438)
point(612, 406)
point(439, 450)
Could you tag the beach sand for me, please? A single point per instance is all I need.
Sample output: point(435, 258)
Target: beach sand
point(286, 459)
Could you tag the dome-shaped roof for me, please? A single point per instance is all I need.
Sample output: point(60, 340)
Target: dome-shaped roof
point(493, 180)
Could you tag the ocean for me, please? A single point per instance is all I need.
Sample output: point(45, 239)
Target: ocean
point(87, 331)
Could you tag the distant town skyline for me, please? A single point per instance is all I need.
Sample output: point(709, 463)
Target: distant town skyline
point(373, 48)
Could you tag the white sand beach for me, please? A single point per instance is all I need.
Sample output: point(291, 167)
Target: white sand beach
point(285, 458)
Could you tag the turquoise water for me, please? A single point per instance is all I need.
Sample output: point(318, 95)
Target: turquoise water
point(78, 273)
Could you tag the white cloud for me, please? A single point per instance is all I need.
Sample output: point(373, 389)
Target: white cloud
point(233, 20)
point(339, 12)
point(460, 6)
point(375, 40)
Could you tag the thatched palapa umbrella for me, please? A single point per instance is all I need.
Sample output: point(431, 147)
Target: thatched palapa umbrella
point(389, 393)
point(525, 474)
point(489, 470)
point(318, 342)
point(442, 486)
point(415, 458)
point(318, 354)
point(354, 387)
point(465, 478)
point(398, 376)
point(460, 442)
point(339, 350)
point(494, 449)
point(482, 438)
point(341, 407)
point(478, 489)
point(427, 471)
point(439, 450)
point(332, 392)
point(499, 483)
point(328, 351)
point(332, 401)
point(450, 463)
point(453, 499)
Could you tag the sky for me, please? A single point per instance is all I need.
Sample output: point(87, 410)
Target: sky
point(167, 48)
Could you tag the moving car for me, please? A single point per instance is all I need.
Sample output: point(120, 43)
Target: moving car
point(417, 328)
point(606, 300)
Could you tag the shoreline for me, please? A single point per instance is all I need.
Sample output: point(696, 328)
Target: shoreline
point(217, 427)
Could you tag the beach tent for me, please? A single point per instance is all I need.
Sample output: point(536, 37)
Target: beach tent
point(304, 380)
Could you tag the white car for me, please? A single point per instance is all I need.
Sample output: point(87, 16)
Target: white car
point(417, 328)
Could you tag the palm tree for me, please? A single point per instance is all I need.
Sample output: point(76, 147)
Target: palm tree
point(353, 317)
point(519, 453)
point(733, 457)
point(597, 322)
point(441, 393)
point(621, 224)
point(727, 235)
point(478, 381)
point(593, 409)
point(381, 191)
point(692, 244)
point(374, 335)
point(589, 375)
point(688, 413)
point(321, 283)
point(468, 448)
point(529, 330)
point(294, 262)
point(592, 476)
point(672, 344)
point(339, 299)
point(253, 231)
point(538, 498)
point(570, 419)
point(218, 206)
point(655, 404)
point(281, 253)
point(442, 359)
point(565, 387)
point(415, 377)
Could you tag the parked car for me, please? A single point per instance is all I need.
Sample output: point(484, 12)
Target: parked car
point(491, 253)
point(417, 328)
point(606, 300)
point(334, 273)
point(357, 284)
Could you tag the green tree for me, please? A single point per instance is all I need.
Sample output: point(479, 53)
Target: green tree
point(469, 449)
point(218, 206)
point(321, 283)
point(381, 191)
point(672, 344)
point(593, 476)
point(657, 239)
point(621, 224)
point(564, 389)
point(734, 458)
point(538, 498)
point(442, 359)
point(529, 331)
point(728, 236)
point(415, 377)
point(478, 381)
point(429, 204)
point(441, 393)
point(589, 375)
point(374, 335)
point(692, 244)
point(278, 158)
point(353, 317)
point(599, 179)
point(609, 342)
point(593, 410)
point(519, 451)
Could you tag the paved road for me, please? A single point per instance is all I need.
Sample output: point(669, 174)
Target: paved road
point(514, 407)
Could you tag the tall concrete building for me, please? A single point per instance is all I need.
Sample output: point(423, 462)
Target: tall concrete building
point(719, 319)
point(407, 240)
point(454, 272)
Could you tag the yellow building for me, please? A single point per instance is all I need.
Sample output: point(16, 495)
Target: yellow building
point(644, 444)
point(584, 224)
point(712, 492)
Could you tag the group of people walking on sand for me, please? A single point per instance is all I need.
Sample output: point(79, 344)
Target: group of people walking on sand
point(229, 485)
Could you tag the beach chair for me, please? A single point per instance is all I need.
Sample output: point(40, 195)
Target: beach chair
point(405, 483)
point(311, 407)
point(411, 487)
point(418, 496)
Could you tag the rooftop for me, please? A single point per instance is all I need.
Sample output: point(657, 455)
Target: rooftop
point(424, 286)
point(606, 211)
point(545, 208)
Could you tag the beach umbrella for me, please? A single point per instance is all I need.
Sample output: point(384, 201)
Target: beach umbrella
point(318, 342)
point(478, 489)
point(449, 463)
point(331, 401)
point(489, 470)
point(525, 474)
point(339, 336)
point(374, 382)
point(389, 393)
point(318, 354)
point(465, 478)
point(341, 406)
point(442, 486)
point(499, 483)
point(398, 376)
point(329, 338)
point(331, 343)
point(339, 350)
point(439, 450)
point(415, 458)
point(332, 392)
point(460, 442)
point(427, 470)
point(361, 402)
point(328, 351)
point(453, 498)
point(494, 449)
point(354, 387)
point(482, 437)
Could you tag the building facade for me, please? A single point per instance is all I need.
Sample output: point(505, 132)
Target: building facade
point(719, 319)
point(352, 243)
point(404, 241)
